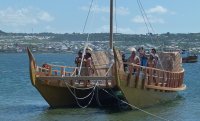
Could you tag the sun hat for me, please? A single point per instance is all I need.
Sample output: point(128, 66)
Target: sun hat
point(89, 48)
point(132, 49)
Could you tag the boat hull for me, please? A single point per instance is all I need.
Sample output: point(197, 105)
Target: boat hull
point(55, 96)
point(146, 97)
point(190, 59)
point(63, 96)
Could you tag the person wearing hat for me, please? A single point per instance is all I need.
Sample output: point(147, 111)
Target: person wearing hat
point(88, 61)
point(89, 71)
point(133, 59)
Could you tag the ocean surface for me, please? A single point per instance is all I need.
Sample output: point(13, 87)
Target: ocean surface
point(20, 101)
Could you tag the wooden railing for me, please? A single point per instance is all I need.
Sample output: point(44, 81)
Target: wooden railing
point(68, 73)
point(155, 77)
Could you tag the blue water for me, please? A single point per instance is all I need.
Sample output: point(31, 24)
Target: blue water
point(20, 101)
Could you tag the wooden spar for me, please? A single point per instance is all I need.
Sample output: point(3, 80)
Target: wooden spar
point(75, 78)
point(116, 81)
point(182, 87)
point(111, 24)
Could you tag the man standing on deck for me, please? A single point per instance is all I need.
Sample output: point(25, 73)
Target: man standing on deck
point(133, 59)
point(78, 58)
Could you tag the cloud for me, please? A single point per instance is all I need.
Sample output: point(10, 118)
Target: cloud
point(120, 10)
point(125, 30)
point(44, 16)
point(106, 28)
point(23, 16)
point(158, 9)
point(152, 19)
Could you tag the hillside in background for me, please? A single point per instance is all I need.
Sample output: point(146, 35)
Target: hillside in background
point(53, 42)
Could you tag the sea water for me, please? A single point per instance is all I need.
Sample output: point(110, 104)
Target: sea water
point(20, 101)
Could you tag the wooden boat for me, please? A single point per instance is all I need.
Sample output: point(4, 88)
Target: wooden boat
point(110, 84)
point(189, 57)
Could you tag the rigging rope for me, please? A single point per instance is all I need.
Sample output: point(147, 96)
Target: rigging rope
point(136, 107)
point(87, 16)
point(148, 25)
point(86, 43)
point(145, 15)
point(78, 98)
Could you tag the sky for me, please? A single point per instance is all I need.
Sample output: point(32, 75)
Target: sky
point(68, 16)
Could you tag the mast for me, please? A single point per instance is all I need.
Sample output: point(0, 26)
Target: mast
point(111, 24)
point(114, 70)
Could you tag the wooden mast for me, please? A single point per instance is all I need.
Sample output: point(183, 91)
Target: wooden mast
point(111, 24)
point(111, 44)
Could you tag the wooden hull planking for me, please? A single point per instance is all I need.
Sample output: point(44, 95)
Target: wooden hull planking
point(145, 97)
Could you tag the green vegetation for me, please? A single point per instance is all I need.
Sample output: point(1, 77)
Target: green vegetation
point(40, 41)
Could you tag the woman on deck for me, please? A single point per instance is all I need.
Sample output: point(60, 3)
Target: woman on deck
point(151, 62)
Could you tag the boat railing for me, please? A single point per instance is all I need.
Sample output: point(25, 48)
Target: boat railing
point(155, 78)
point(71, 73)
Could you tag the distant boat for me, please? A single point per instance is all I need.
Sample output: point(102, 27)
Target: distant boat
point(19, 50)
point(189, 57)
point(110, 85)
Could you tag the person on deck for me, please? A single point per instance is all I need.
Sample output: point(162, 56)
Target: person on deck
point(88, 60)
point(133, 59)
point(78, 58)
point(124, 60)
point(155, 56)
point(78, 63)
point(89, 67)
point(143, 56)
point(151, 61)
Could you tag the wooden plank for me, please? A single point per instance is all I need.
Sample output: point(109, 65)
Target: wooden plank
point(75, 78)
point(150, 76)
point(182, 87)
point(100, 62)
point(144, 79)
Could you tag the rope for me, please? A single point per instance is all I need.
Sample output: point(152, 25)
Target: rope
point(97, 98)
point(79, 88)
point(86, 43)
point(78, 98)
point(87, 16)
point(148, 24)
point(136, 107)
point(145, 15)
point(85, 105)
point(144, 111)
point(81, 98)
